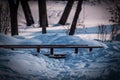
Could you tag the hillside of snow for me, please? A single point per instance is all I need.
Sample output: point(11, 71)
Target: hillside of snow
point(21, 64)
point(24, 64)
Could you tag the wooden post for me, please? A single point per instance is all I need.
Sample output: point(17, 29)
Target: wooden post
point(76, 50)
point(90, 49)
point(12, 48)
point(51, 51)
point(38, 49)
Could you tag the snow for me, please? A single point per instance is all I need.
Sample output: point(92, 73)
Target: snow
point(11, 40)
point(100, 64)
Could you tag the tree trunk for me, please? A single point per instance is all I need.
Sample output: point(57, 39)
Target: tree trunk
point(66, 12)
point(43, 15)
point(74, 22)
point(4, 17)
point(13, 14)
point(27, 12)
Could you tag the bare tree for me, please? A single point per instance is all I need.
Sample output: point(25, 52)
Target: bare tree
point(27, 12)
point(74, 22)
point(66, 12)
point(115, 12)
point(102, 32)
point(4, 17)
point(43, 15)
point(13, 4)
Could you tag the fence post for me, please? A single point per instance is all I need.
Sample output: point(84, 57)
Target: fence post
point(38, 49)
point(76, 50)
point(51, 51)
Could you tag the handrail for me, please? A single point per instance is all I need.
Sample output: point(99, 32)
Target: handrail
point(51, 47)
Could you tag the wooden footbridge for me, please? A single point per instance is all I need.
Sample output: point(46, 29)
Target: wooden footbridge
point(51, 47)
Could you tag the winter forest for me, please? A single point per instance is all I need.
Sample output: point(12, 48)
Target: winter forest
point(59, 40)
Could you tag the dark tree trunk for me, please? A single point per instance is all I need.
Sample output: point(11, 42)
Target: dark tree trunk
point(13, 15)
point(74, 22)
point(66, 12)
point(4, 17)
point(27, 12)
point(43, 15)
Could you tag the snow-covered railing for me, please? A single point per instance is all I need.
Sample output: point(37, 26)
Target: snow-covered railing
point(38, 47)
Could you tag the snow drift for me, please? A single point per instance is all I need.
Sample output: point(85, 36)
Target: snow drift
point(100, 64)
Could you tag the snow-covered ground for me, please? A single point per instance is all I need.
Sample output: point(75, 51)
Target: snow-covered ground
point(100, 64)
point(21, 64)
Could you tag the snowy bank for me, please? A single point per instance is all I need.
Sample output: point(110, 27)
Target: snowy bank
point(18, 40)
point(102, 64)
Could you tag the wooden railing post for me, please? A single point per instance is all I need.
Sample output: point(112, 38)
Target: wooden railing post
point(38, 49)
point(51, 51)
point(76, 50)
point(12, 48)
point(90, 49)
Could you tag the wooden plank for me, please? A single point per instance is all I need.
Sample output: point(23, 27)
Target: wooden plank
point(57, 56)
point(48, 46)
point(51, 47)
